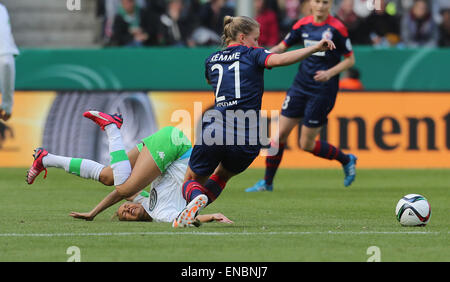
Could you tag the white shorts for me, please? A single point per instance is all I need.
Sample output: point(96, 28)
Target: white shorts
point(166, 199)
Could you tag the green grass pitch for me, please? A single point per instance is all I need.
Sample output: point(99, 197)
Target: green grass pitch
point(310, 216)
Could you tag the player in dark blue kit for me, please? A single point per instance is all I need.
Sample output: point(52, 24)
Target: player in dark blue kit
point(228, 145)
point(313, 93)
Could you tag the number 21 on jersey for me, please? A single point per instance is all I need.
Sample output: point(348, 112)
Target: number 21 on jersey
point(237, 81)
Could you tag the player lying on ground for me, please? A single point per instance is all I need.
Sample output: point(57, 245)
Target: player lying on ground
point(162, 164)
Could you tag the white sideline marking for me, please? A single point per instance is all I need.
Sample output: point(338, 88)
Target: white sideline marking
point(216, 233)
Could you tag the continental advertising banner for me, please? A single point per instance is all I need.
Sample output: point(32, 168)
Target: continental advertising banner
point(384, 129)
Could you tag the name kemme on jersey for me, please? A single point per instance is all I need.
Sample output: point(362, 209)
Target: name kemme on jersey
point(225, 57)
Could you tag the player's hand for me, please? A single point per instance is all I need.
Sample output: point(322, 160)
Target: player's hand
point(221, 218)
point(325, 45)
point(3, 115)
point(85, 216)
point(322, 76)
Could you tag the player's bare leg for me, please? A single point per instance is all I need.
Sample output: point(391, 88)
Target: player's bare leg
point(43, 160)
point(144, 172)
point(191, 175)
point(286, 126)
point(223, 173)
point(194, 193)
point(273, 162)
point(199, 191)
point(308, 137)
point(84, 168)
point(107, 176)
point(127, 181)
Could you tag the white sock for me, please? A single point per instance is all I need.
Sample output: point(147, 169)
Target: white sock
point(81, 167)
point(119, 159)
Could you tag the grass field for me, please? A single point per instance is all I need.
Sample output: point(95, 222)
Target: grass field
point(310, 216)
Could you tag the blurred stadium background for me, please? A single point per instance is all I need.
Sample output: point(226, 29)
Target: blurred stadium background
point(392, 110)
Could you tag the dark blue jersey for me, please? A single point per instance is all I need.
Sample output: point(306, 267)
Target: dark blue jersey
point(237, 77)
point(308, 33)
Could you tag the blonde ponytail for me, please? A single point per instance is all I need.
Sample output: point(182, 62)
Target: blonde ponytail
point(232, 26)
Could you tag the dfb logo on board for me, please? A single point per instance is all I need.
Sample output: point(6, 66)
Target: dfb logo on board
point(73, 5)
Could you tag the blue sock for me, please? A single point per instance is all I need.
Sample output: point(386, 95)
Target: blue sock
point(192, 189)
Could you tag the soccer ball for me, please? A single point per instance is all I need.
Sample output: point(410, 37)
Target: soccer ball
point(413, 210)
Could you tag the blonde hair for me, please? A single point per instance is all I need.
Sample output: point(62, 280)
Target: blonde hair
point(232, 26)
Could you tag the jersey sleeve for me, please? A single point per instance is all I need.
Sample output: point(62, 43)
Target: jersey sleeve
point(292, 38)
point(342, 41)
point(261, 56)
point(345, 46)
point(206, 70)
point(295, 35)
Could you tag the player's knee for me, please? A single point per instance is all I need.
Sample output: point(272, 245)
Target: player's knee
point(106, 178)
point(224, 175)
point(283, 135)
point(283, 138)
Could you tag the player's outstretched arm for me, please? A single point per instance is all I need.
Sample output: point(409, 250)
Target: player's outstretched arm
point(113, 198)
point(291, 57)
point(213, 217)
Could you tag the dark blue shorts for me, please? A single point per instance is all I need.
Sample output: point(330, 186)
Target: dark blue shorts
point(313, 109)
point(205, 158)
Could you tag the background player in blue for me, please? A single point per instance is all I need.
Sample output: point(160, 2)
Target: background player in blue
point(237, 76)
point(313, 93)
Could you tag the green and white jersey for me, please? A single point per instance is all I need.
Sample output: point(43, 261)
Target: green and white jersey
point(166, 199)
point(166, 146)
point(171, 150)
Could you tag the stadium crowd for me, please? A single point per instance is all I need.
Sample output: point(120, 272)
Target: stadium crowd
point(400, 23)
